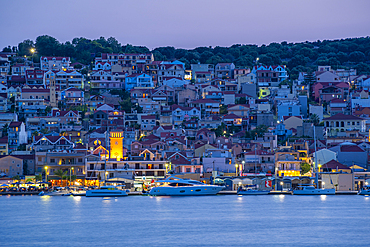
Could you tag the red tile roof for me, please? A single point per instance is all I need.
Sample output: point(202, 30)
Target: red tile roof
point(351, 148)
point(341, 116)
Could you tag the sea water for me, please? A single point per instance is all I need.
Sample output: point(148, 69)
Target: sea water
point(226, 220)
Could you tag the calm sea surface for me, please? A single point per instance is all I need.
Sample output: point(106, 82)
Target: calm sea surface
point(226, 220)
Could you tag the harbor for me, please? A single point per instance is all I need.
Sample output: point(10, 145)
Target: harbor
point(167, 221)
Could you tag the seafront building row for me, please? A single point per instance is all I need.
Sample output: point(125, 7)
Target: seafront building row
point(130, 119)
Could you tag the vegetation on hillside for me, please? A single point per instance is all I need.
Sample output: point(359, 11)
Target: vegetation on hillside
point(304, 56)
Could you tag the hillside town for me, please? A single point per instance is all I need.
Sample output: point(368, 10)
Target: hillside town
point(134, 120)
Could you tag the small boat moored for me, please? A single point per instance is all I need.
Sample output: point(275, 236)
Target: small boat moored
point(106, 191)
point(365, 191)
point(311, 190)
point(59, 191)
point(251, 190)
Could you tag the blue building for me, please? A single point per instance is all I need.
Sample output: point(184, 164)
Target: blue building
point(281, 132)
point(138, 80)
point(288, 109)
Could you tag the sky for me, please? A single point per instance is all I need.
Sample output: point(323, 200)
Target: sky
point(184, 24)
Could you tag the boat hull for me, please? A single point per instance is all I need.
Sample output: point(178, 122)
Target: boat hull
point(66, 193)
point(314, 192)
point(364, 192)
point(253, 192)
point(185, 190)
point(105, 193)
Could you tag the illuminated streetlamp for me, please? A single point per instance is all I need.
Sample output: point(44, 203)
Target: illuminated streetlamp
point(70, 180)
point(243, 164)
point(236, 169)
point(281, 183)
point(46, 174)
point(33, 50)
point(166, 167)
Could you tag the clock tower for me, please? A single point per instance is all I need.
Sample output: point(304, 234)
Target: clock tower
point(116, 145)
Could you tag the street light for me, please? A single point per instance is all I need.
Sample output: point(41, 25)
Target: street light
point(236, 170)
point(46, 174)
point(70, 180)
point(32, 51)
point(281, 183)
point(166, 167)
point(243, 165)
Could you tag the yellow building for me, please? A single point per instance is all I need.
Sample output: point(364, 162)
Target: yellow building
point(116, 145)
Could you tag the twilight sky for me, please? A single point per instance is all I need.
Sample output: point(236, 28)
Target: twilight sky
point(186, 23)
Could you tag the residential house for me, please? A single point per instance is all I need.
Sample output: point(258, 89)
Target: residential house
point(179, 114)
point(224, 70)
point(341, 123)
point(270, 76)
point(17, 135)
point(207, 106)
point(54, 63)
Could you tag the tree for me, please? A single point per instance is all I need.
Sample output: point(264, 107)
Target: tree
point(241, 100)
point(47, 45)
point(305, 167)
point(61, 174)
point(315, 119)
point(24, 48)
point(16, 177)
point(223, 109)
point(38, 177)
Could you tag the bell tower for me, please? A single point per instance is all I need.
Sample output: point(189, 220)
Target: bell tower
point(53, 100)
point(116, 145)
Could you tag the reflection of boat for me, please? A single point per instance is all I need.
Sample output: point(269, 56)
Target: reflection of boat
point(105, 191)
point(365, 190)
point(311, 190)
point(174, 186)
point(59, 191)
point(251, 190)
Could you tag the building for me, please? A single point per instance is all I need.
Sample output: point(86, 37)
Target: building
point(17, 135)
point(270, 76)
point(224, 70)
point(341, 123)
point(54, 63)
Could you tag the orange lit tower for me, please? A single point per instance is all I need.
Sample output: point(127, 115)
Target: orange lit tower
point(116, 145)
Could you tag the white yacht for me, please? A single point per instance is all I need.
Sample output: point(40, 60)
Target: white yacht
point(365, 191)
point(311, 190)
point(59, 191)
point(106, 191)
point(251, 190)
point(174, 186)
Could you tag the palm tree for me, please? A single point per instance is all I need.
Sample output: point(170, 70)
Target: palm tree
point(38, 177)
point(62, 174)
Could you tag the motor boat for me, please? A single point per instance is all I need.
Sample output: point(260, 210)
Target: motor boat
point(251, 190)
point(174, 186)
point(365, 191)
point(106, 191)
point(59, 191)
point(311, 190)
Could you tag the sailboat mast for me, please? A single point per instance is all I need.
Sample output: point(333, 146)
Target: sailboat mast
point(317, 174)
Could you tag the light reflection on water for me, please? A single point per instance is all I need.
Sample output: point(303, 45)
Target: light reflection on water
point(175, 221)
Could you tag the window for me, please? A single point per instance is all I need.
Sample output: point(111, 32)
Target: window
point(187, 169)
point(80, 160)
point(91, 166)
point(52, 160)
point(115, 166)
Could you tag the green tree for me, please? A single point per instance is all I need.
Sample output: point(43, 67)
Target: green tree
point(305, 167)
point(38, 177)
point(223, 109)
point(61, 174)
point(315, 119)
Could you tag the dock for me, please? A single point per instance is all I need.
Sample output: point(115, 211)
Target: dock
point(19, 193)
point(346, 192)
